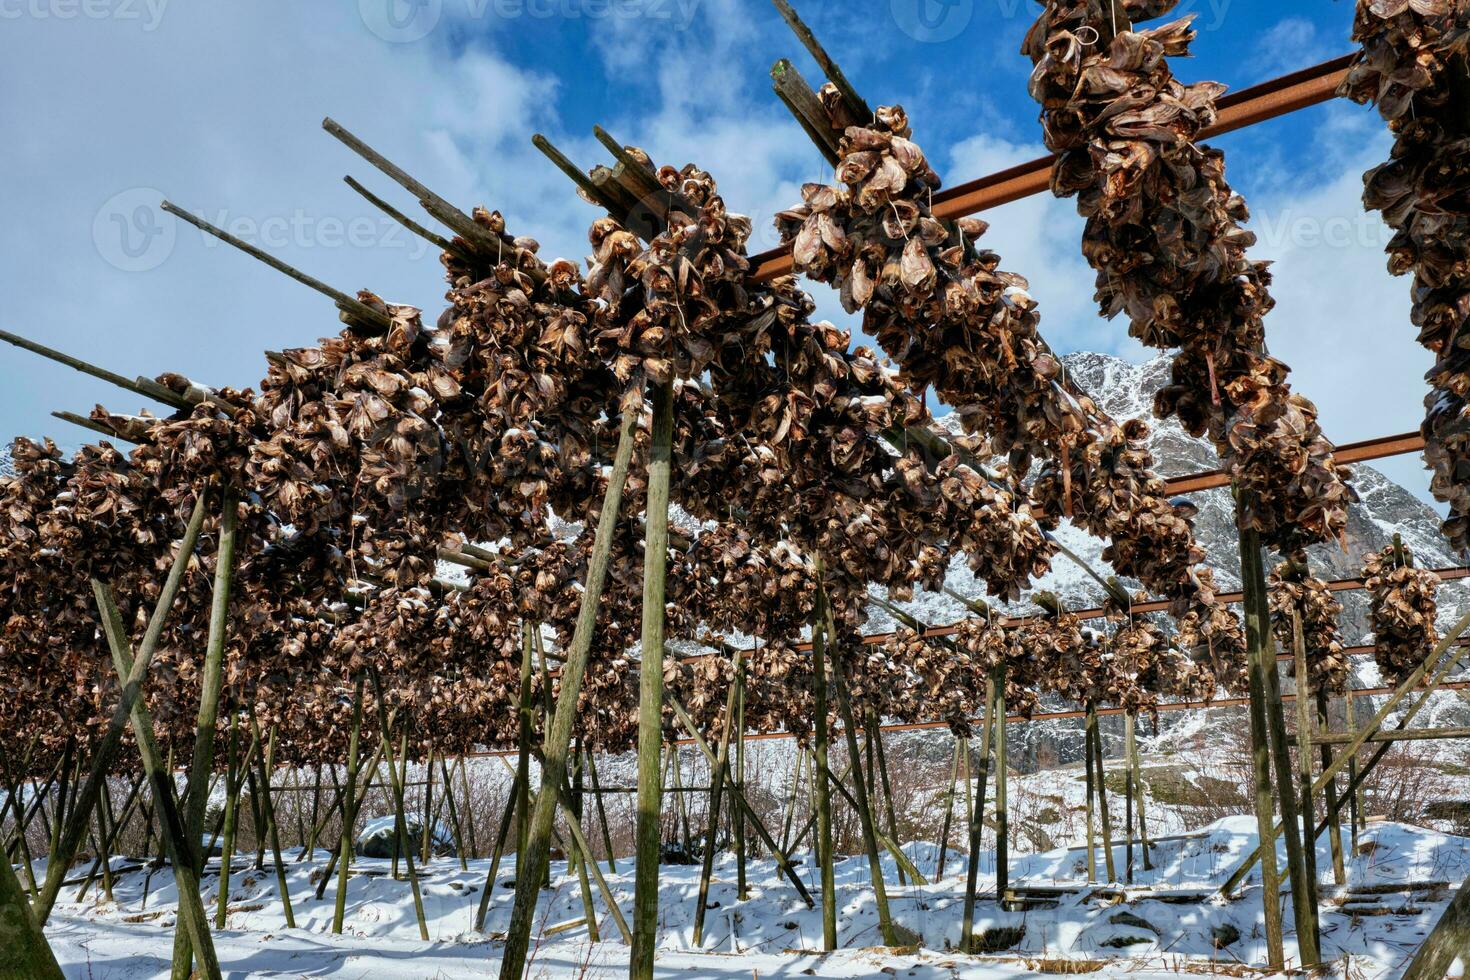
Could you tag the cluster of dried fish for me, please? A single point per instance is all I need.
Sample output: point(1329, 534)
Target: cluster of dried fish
point(1402, 609)
point(1412, 66)
point(1164, 232)
point(1140, 648)
point(1298, 596)
point(957, 323)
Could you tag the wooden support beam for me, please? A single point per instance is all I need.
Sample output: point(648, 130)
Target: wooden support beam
point(355, 310)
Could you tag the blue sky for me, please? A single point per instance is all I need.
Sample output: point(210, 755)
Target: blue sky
point(112, 104)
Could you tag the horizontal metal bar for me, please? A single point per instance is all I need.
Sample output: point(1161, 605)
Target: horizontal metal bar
point(1277, 97)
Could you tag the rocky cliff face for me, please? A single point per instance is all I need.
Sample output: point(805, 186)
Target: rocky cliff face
point(6, 467)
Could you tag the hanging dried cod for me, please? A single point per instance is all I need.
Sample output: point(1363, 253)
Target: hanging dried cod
point(1412, 66)
point(1164, 232)
point(1402, 610)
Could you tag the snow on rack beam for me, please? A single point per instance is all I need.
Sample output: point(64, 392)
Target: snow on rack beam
point(1298, 90)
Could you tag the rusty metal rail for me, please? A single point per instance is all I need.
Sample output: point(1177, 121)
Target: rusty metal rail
point(1278, 97)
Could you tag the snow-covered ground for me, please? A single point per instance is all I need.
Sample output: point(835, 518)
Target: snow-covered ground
point(1399, 881)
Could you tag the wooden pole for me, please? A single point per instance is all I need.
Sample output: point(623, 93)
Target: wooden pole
point(349, 810)
point(1451, 938)
point(1304, 910)
point(351, 306)
point(268, 809)
point(607, 845)
point(790, 808)
point(1142, 793)
point(469, 806)
point(737, 816)
point(176, 843)
point(233, 782)
point(559, 736)
point(1257, 628)
point(954, 773)
point(977, 819)
point(397, 786)
point(1002, 778)
point(1089, 731)
point(1355, 798)
point(129, 806)
point(1447, 644)
point(1128, 794)
point(875, 738)
point(823, 772)
point(783, 862)
point(716, 786)
point(69, 840)
point(454, 823)
point(1324, 721)
point(487, 896)
point(24, 951)
point(864, 805)
point(1102, 795)
point(1307, 807)
point(650, 687)
point(196, 791)
point(14, 803)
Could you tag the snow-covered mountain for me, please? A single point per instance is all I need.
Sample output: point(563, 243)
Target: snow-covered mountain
point(6, 466)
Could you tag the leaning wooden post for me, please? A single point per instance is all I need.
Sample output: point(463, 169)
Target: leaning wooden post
point(397, 786)
point(1451, 938)
point(349, 810)
point(1308, 809)
point(1257, 628)
point(737, 815)
point(176, 844)
point(1355, 796)
point(1334, 823)
point(67, 841)
point(196, 792)
point(1141, 795)
point(864, 800)
point(24, 951)
point(875, 738)
point(977, 818)
point(1253, 584)
point(716, 788)
point(651, 685)
point(558, 737)
point(501, 837)
point(453, 814)
point(1128, 793)
point(1002, 777)
point(612, 864)
point(954, 773)
point(1090, 767)
point(819, 758)
point(1102, 794)
point(232, 810)
point(268, 808)
point(469, 807)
